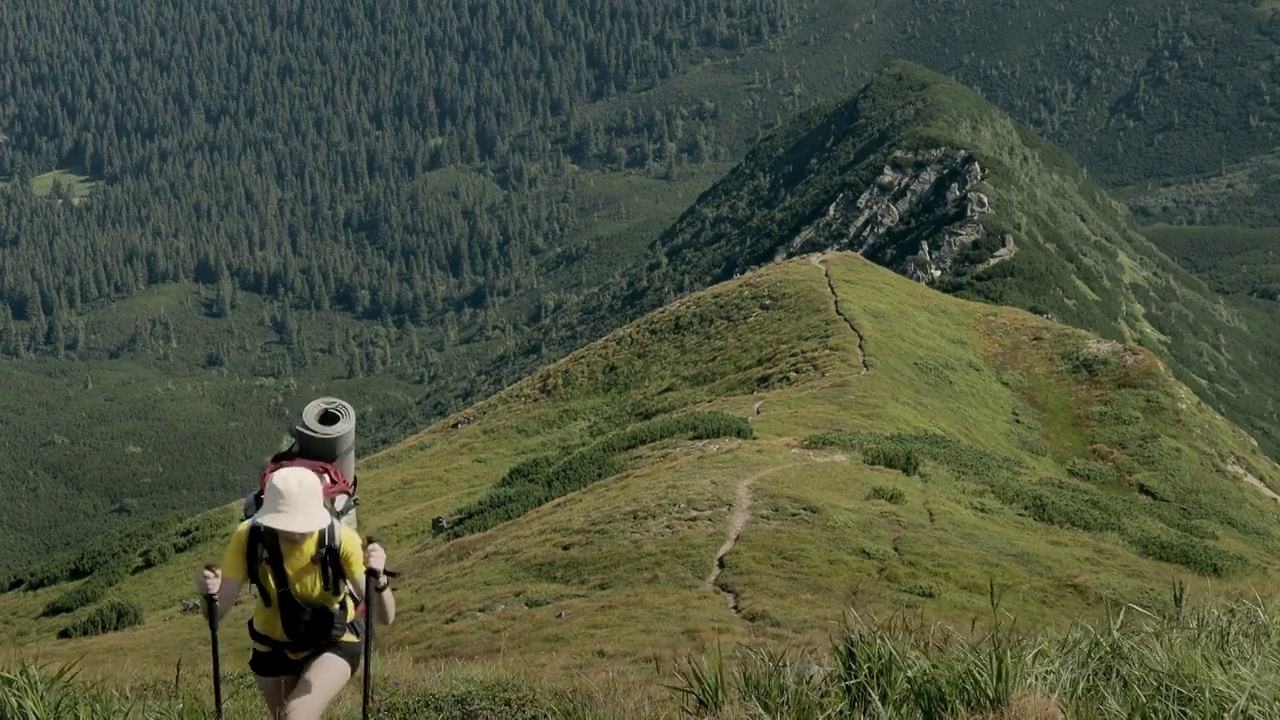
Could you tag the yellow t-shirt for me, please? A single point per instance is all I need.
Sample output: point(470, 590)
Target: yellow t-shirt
point(305, 579)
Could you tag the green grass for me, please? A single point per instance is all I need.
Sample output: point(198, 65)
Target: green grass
point(1085, 103)
point(75, 185)
point(1172, 659)
point(602, 578)
point(597, 278)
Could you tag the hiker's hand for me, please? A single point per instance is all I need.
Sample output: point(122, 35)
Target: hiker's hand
point(375, 558)
point(209, 581)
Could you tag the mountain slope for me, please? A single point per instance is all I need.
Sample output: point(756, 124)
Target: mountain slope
point(816, 435)
point(921, 174)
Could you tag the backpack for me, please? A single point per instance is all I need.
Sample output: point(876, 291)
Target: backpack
point(340, 499)
point(339, 492)
point(306, 626)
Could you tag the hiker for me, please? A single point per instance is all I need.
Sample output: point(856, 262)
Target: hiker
point(293, 535)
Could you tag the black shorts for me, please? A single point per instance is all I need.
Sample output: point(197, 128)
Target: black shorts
point(278, 664)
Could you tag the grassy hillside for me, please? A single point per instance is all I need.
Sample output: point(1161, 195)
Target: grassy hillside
point(1076, 255)
point(818, 435)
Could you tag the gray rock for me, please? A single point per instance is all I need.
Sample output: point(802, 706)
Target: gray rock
point(913, 190)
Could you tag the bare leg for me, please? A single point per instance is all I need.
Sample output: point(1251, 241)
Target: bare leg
point(323, 679)
point(275, 690)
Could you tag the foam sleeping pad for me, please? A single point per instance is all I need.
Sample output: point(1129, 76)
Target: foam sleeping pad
point(327, 432)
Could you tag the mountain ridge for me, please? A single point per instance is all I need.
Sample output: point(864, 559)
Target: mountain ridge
point(1028, 228)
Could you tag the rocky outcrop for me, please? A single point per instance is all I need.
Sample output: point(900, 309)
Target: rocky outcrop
point(918, 216)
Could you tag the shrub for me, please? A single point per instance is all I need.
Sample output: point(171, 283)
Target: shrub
point(878, 554)
point(888, 494)
point(1030, 443)
point(924, 590)
point(157, 555)
point(195, 531)
point(540, 480)
point(87, 594)
point(121, 545)
point(1172, 547)
point(893, 456)
point(1092, 363)
point(111, 616)
point(1091, 471)
point(1176, 528)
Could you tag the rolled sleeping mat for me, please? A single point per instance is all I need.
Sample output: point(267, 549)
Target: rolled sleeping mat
point(327, 432)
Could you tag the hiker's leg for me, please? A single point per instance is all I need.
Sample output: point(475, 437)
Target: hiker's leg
point(277, 676)
point(321, 682)
point(275, 691)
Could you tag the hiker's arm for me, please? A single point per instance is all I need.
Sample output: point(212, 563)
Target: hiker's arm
point(228, 595)
point(385, 602)
point(231, 574)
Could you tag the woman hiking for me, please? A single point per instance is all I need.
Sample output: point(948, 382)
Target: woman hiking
point(307, 640)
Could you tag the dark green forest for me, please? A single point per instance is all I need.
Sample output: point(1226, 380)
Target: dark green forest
point(255, 152)
point(209, 215)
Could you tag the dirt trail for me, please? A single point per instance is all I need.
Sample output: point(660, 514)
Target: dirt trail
point(737, 521)
point(835, 305)
point(738, 517)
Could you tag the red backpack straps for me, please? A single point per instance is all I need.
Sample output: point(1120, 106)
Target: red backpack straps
point(335, 483)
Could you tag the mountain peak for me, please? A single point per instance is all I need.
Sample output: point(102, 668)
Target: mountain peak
point(920, 174)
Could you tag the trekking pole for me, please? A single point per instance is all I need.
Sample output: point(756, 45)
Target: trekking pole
point(370, 576)
point(211, 613)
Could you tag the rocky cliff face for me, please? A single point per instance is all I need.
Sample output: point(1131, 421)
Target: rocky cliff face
point(920, 214)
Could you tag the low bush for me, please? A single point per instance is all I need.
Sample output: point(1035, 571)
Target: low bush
point(888, 494)
point(127, 545)
point(90, 592)
point(895, 457)
point(1091, 471)
point(539, 480)
point(111, 616)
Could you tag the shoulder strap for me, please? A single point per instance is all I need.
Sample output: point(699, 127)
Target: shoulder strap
point(253, 560)
point(275, 562)
point(330, 557)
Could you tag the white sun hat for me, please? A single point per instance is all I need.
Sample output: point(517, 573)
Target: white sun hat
point(294, 502)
